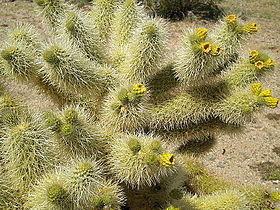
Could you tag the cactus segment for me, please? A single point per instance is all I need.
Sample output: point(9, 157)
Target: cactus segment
point(29, 149)
point(126, 109)
point(77, 28)
point(102, 15)
point(71, 72)
point(198, 58)
point(19, 63)
point(146, 49)
point(52, 11)
point(142, 167)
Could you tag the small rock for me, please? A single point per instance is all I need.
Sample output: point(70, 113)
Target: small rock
point(212, 158)
point(257, 126)
point(272, 116)
point(275, 181)
point(220, 165)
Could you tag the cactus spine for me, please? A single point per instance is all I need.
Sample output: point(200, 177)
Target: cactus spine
point(79, 31)
point(140, 160)
point(75, 136)
point(28, 152)
point(145, 51)
point(102, 15)
point(123, 24)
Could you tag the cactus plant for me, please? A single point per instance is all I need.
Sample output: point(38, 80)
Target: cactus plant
point(126, 110)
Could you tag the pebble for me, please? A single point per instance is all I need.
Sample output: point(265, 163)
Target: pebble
point(257, 126)
point(220, 165)
point(276, 181)
point(212, 158)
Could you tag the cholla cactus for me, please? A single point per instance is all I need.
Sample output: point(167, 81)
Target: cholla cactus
point(127, 110)
point(27, 152)
point(9, 197)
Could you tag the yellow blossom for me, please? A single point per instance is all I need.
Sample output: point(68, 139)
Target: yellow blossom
point(167, 159)
point(265, 93)
point(271, 102)
point(259, 65)
point(139, 89)
point(122, 109)
point(256, 88)
point(253, 55)
point(216, 50)
point(269, 63)
point(201, 33)
point(251, 28)
point(206, 47)
point(231, 19)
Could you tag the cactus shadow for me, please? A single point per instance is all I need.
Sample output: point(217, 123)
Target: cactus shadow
point(198, 146)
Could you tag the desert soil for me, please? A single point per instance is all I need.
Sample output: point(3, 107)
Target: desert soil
point(232, 157)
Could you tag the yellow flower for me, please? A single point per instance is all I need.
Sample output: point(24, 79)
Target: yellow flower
point(231, 19)
point(275, 196)
point(167, 159)
point(271, 102)
point(256, 88)
point(206, 47)
point(253, 55)
point(216, 50)
point(139, 89)
point(201, 33)
point(122, 109)
point(269, 63)
point(265, 93)
point(259, 65)
point(251, 28)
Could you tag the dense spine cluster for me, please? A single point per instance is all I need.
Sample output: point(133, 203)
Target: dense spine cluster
point(125, 112)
